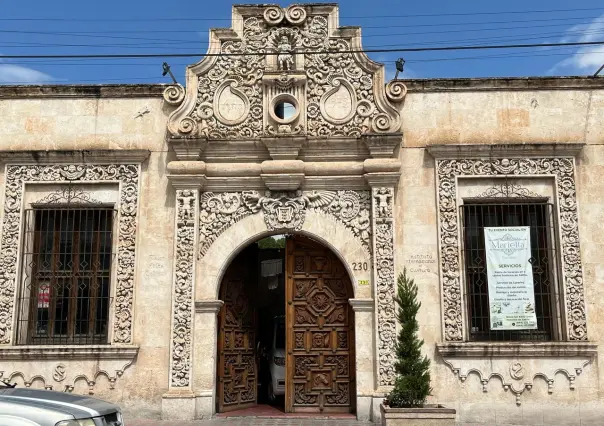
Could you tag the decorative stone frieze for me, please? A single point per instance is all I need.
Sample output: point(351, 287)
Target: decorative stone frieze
point(64, 376)
point(563, 169)
point(382, 204)
point(287, 211)
point(187, 201)
point(275, 57)
point(127, 176)
point(518, 375)
point(68, 195)
point(508, 190)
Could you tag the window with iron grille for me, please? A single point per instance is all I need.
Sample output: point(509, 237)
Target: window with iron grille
point(67, 257)
point(537, 216)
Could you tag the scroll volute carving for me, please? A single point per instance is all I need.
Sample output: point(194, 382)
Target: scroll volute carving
point(281, 72)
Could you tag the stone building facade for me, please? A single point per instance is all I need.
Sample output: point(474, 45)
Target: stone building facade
point(126, 209)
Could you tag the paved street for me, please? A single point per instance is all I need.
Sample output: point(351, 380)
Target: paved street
point(249, 421)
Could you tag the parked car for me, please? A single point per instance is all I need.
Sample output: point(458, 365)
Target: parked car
point(276, 385)
point(33, 407)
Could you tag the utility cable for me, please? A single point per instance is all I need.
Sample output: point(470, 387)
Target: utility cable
point(343, 16)
point(309, 52)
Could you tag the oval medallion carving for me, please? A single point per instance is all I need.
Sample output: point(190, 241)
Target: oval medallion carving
point(338, 104)
point(231, 105)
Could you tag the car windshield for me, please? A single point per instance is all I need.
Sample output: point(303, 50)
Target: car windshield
point(280, 335)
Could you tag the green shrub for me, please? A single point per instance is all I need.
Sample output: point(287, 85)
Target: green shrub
point(412, 384)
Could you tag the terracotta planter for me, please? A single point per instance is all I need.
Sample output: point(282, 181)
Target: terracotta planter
point(428, 415)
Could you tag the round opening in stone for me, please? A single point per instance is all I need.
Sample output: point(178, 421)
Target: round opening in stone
point(285, 110)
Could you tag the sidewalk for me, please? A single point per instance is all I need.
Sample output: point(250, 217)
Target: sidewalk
point(248, 421)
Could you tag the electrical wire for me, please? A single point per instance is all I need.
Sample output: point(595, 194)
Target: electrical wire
point(310, 52)
point(198, 43)
point(343, 16)
point(446, 24)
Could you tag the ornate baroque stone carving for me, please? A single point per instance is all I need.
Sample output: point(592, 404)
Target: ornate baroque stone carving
point(186, 201)
point(508, 190)
point(218, 211)
point(518, 376)
point(293, 55)
point(64, 377)
point(59, 373)
point(127, 175)
point(396, 91)
point(383, 199)
point(174, 95)
point(67, 195)
point(572, 276)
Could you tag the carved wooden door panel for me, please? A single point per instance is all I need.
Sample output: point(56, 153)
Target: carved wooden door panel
point(320, 324)
point(237, 366)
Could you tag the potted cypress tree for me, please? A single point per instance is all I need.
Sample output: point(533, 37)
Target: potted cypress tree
point(406, 403)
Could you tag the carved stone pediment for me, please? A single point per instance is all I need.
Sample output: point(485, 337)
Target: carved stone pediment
point(282, 72)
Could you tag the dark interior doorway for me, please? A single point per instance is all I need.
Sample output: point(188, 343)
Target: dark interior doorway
point(270, 255)
point(252, 328)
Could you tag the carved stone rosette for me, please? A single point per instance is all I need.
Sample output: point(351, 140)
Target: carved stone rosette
point(563, 169)
point(383, 201)
point(127, 176)
point(183, 304)
point(287, 211)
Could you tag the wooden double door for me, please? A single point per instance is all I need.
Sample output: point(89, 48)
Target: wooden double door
point(319, 333)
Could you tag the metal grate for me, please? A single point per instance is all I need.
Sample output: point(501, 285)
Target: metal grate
point(66, 265)
point(539, 216)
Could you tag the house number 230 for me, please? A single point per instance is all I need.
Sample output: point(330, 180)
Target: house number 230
point(360, 266)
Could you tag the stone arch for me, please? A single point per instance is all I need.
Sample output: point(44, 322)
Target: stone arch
point(318, 226)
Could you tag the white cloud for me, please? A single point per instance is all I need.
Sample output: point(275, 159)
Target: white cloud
point(16, 74)
point(587, 58)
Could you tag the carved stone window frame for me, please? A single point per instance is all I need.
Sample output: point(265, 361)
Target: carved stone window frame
point(506, 189)
point(525, 161)
point(127, 176)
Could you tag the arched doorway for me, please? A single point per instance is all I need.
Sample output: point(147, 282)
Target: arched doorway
point(308, 341)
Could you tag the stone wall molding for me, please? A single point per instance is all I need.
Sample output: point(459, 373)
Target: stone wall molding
point(134, 156)
point(208, 306)
point(518, 349)
point(362, 305)
point(475, 151)
point(68, 352)
point(127, 176)
point(571, 279)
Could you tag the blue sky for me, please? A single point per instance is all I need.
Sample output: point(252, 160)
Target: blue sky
point(154, 26)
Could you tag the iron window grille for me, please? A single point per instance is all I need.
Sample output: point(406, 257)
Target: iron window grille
point(475, 216)
point(66, 263)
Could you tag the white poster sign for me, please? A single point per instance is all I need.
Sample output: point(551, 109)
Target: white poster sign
point(510, 278)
